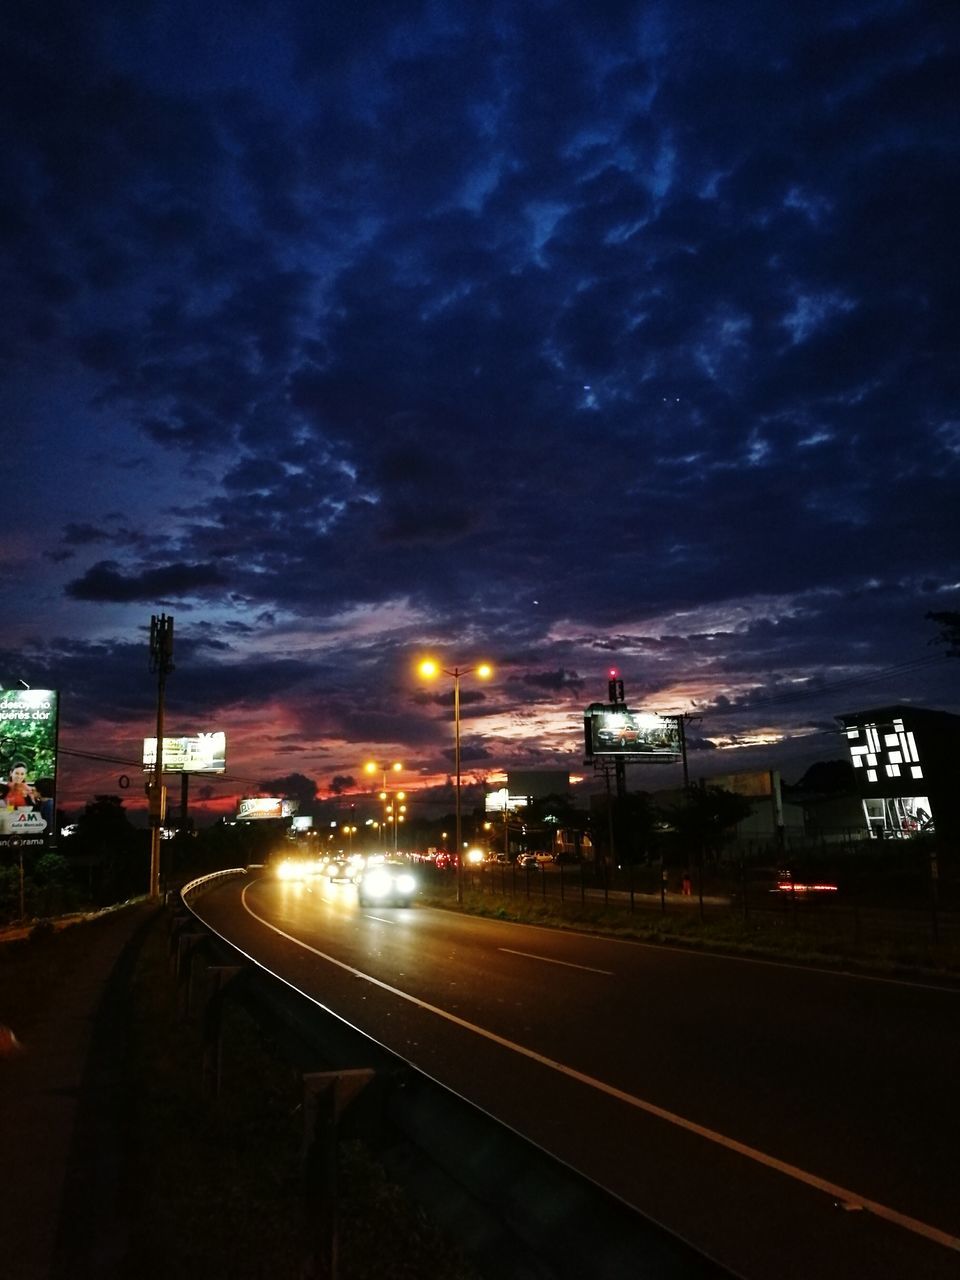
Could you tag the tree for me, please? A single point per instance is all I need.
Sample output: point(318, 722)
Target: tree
point(949, 624)
point(829, 777)
point(295, 786)
point(105, 832)
point(707, 817)
point(104, 822)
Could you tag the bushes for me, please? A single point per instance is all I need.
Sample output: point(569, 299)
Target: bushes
point(49, 888)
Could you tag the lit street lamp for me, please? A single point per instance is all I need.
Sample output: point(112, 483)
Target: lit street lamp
point(429, 670)
point(372, 767)
point(395, 813)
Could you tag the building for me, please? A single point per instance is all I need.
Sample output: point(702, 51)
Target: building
point(907, 764)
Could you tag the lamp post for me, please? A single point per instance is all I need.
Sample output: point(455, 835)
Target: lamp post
point(429, 670)
point(395, 814)
point(372, 767)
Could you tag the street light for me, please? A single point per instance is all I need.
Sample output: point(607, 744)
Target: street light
point(430, 670)
point(372, 767)
point(395, 813)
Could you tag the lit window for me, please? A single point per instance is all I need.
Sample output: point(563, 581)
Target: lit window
point(858, 762)
point(896, 757)
point(916, 771)
point(872, 759)
point(871, 775)
point(893, 771)
point(890, 740)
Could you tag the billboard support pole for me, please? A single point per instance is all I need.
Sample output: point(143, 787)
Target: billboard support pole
point(161, 661)
point(621, 772)
point(682, 726)
point(184, 801)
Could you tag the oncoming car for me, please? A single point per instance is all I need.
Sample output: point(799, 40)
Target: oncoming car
point(296, 868)
point(345, 869)
point(386, 884)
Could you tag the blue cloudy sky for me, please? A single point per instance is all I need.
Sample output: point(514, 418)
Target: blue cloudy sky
point(564, 335)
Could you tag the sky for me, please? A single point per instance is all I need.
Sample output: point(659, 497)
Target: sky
point(564, 336)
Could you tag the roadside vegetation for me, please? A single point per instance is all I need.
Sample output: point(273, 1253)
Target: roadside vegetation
point(221, 1176)
point(213, 1186)
point(802, 933)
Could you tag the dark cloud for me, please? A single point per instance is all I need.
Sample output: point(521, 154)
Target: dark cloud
point(105, 581)
point(551, 681)
point(564, 338)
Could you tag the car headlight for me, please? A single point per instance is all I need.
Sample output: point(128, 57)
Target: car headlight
point(378, 883)
point(406, 884)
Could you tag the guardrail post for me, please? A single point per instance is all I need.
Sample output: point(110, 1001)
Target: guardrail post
point(187, 944)
point(325, 1095)
point(223, 976)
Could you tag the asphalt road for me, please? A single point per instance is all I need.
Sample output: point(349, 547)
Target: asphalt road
point(787, 1122)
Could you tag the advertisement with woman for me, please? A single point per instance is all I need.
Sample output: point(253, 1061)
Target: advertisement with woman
point(28, 767)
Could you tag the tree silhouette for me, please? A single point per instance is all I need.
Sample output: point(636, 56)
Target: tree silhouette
point(707, 817)
point(949, 624)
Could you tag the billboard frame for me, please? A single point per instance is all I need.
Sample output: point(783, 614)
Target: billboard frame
point(30, 825)
point(624, 733)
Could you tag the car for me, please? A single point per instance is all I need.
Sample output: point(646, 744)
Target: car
point(386, 884)
point(343, 869)
point(784, 882)
point(529, 862)
point(295, 868)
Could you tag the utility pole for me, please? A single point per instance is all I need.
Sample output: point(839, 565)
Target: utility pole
point(617, 702)
point(682, 726)
point(161, 661)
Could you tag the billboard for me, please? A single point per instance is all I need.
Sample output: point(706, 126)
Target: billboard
point(28, 767)
point(763, 782)
point(537, 784)
point(200, 753)
point(610, 730)
point(497, 801)
point(256, 807)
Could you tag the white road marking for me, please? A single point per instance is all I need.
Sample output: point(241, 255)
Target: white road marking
point(704, 953)
point(567, 964)
point(836, 1192)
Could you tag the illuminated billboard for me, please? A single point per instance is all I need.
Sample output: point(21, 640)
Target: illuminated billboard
point(634, 735)
point(200, 753)
point(28, 767)
point(256, 807)
point(497, 801)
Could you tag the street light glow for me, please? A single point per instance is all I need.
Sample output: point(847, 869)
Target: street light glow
point(429, 670)
point(373, 767)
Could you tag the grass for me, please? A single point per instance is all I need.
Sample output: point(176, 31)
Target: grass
point(208, 1186)
point(803, 936)
point(219, 1185)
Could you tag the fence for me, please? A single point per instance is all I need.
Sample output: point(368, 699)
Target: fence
point(894, 915)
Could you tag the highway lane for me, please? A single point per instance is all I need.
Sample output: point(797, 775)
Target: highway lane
point(712, 1093)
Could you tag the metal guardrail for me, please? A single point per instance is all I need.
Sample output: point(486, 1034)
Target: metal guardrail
point(516, 1211)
